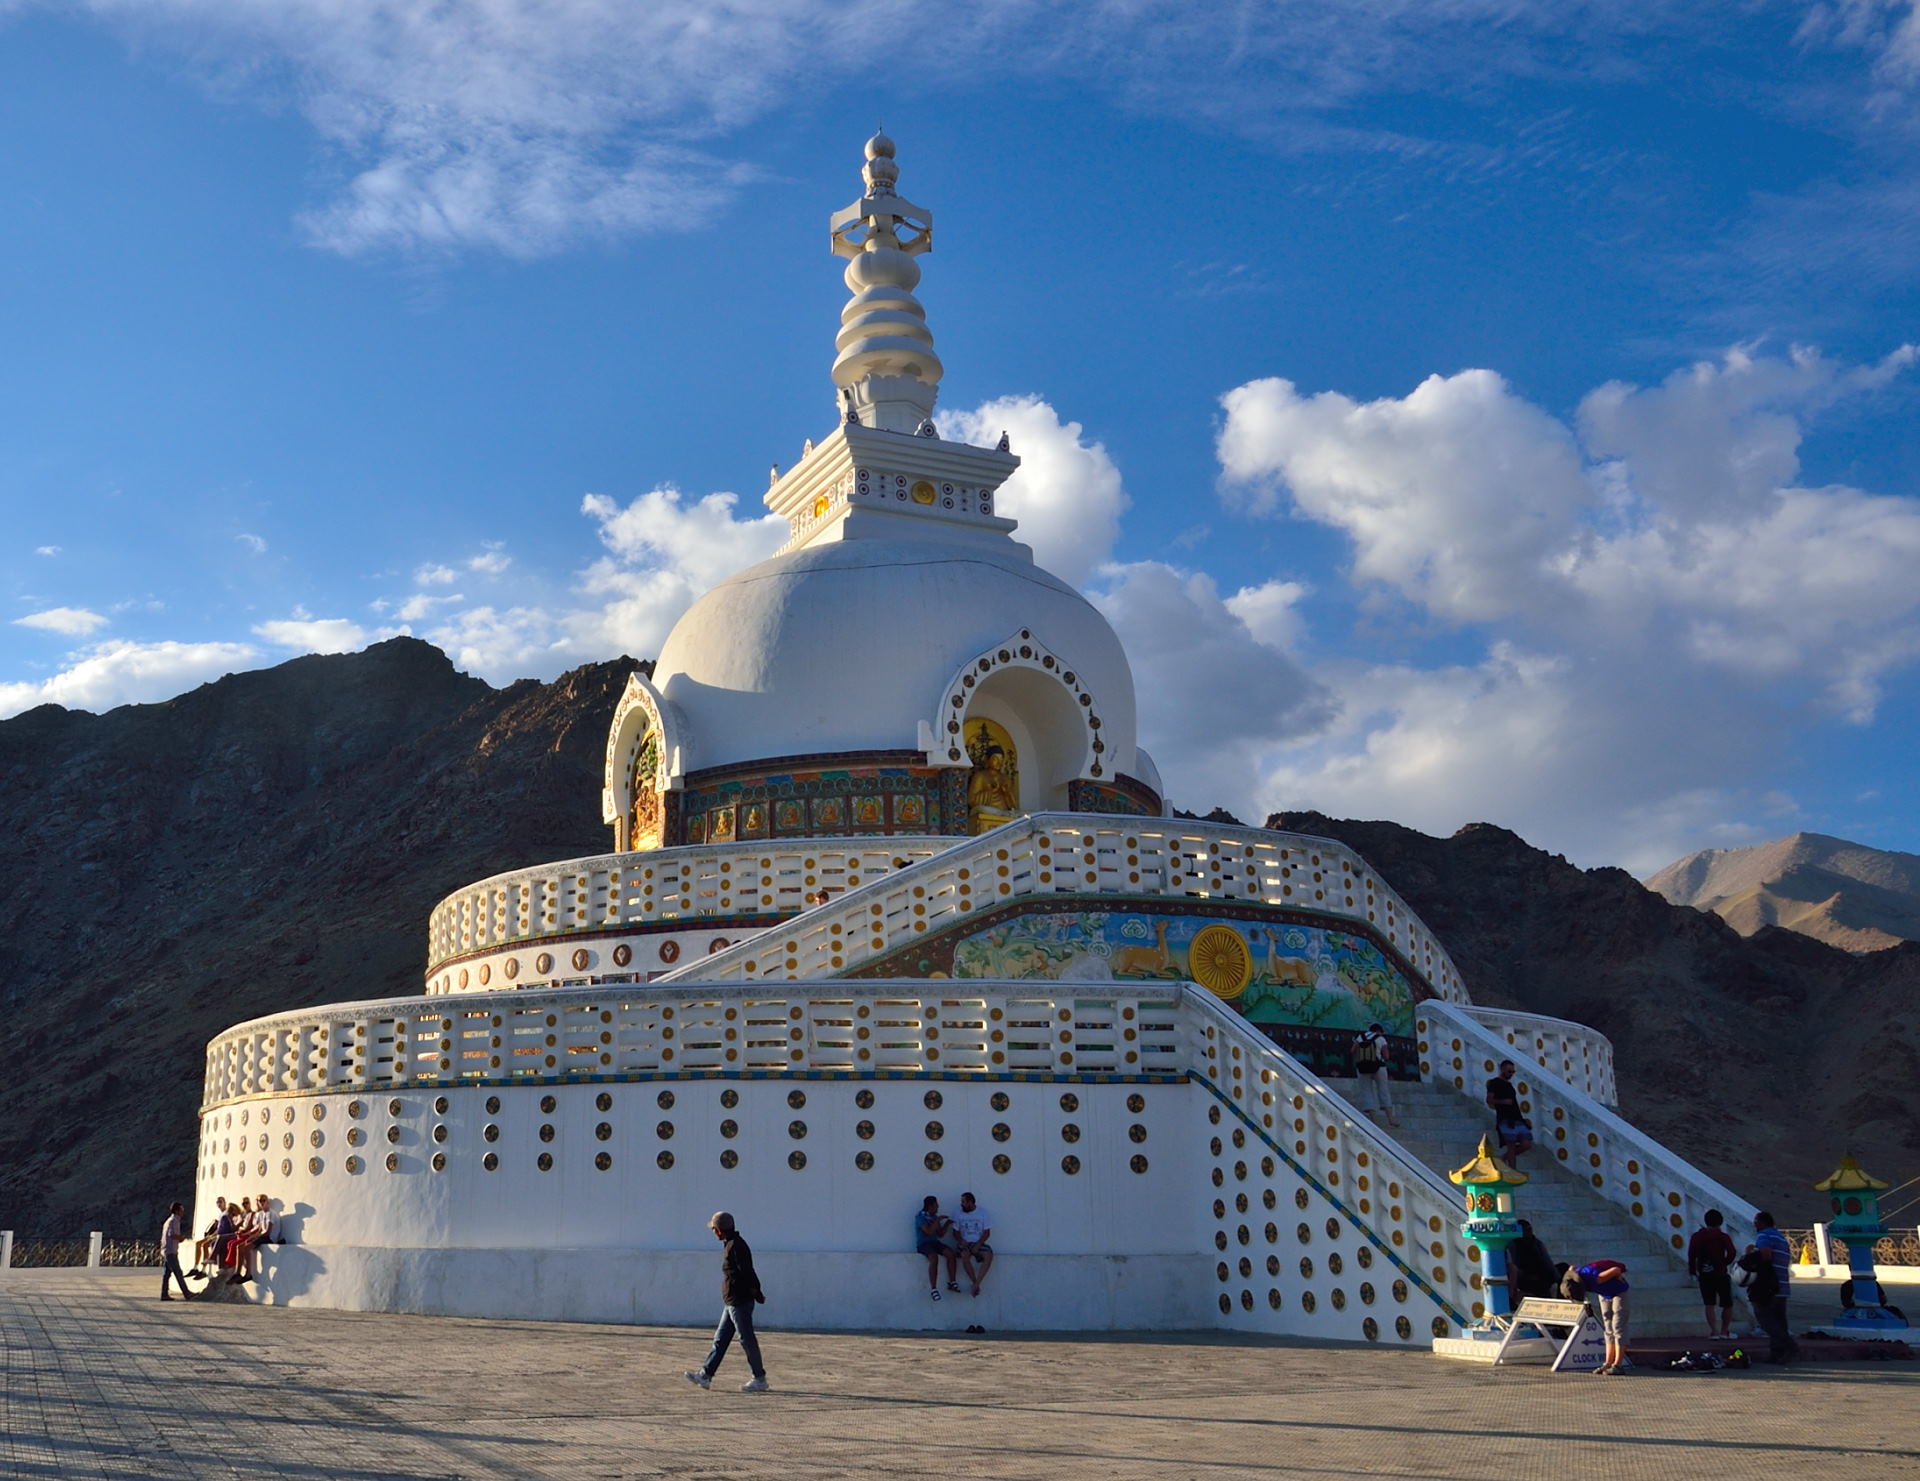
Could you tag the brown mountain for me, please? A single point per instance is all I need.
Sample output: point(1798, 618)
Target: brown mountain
point(276, 839)
point(1845, 894)
point(1761, 1059)
point(269, 841)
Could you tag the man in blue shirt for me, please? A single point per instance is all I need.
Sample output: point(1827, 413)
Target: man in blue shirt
point(1771, 1309)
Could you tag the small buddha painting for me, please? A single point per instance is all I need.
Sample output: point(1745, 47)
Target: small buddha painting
point(993, 790)
point(643, 821)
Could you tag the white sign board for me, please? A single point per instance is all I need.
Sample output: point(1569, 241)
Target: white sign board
point(1585, 1349)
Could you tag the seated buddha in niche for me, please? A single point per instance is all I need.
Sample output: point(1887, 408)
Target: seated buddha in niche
point(993, 789)
point(643, 821)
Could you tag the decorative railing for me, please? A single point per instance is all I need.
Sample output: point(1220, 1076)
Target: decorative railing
point(1581, 1056)
point(661, 885)
point(1086, 854)
point(1897, 1247)
point(1661, 1193)
point(1407, 1205)
point(985, 1027)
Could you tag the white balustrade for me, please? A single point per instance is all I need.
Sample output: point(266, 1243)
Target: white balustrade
point(1581, 1056)
point(976, 1027)
point(1664, 1195)
point(676, 884)
point(1396, 1196)
point(1085, 854)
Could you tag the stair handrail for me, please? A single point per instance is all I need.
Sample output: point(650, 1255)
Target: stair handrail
point(1419, 1233)
point(1661, 1192)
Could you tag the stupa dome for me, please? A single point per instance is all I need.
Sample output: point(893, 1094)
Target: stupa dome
point(851, 645)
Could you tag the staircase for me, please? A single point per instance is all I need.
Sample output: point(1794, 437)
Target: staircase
point(1441, 1128)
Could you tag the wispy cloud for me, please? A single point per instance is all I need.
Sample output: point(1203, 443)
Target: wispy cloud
point(525, 126)
point(47, 550)
point(72, 621)
point(254, 543)
point(435, 575)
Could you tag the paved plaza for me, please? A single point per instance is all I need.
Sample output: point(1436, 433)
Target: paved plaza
point(102, 1380)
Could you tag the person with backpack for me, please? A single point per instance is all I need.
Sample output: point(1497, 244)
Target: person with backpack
point(1766, 1272)
point(1372, 1066)
point(1710, 1255)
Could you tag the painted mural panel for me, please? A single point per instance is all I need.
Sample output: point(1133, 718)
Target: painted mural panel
point(1306, 976)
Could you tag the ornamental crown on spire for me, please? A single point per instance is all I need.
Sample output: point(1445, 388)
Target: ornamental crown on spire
point(887, 373)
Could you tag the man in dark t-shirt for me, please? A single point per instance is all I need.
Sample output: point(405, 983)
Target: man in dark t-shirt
point(1502, 1094)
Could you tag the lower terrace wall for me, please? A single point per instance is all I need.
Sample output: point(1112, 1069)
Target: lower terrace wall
point(1117, 1203)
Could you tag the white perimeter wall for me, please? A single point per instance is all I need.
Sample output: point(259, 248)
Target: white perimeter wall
point(1104, 1247)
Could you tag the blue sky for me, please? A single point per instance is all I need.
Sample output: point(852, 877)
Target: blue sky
point(1474, 411)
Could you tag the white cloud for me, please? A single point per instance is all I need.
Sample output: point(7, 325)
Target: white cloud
point(420, 606)
point(491, 561)
point(1663, 608)
point(1271, 613)
point(1066, 493)
point(254, 543)
point(1456, 496)
point(75, 622)
point(314, 634)
point(435, 575)
point(120, 673)
point(1214, 697)
point(48, 550)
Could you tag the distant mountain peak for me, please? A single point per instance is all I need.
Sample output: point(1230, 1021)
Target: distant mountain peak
point(1843, 893)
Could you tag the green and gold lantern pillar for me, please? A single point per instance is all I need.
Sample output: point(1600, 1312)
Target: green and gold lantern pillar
point(1490, 1226)
point(1853, 1202)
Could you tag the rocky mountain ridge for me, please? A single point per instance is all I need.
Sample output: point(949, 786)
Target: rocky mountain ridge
point(1845, 894)
point(276, 839)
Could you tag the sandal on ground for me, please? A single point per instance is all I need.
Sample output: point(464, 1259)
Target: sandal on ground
point(934, 1292)
point(954, 1286)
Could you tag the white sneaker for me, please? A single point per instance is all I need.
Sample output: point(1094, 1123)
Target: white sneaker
point(698, 1378)
point(752, 1386)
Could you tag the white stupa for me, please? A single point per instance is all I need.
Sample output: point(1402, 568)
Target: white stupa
point(895, 907)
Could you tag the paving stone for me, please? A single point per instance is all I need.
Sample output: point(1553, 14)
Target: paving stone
point(102, 1380)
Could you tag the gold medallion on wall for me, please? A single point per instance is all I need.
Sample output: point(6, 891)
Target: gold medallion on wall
point(1219, 960)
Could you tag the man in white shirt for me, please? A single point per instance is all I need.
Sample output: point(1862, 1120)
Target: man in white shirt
point(971, 1230)
point(171, 1233)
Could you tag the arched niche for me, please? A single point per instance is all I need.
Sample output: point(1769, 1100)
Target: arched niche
point(645, 760)
point(1033, 703)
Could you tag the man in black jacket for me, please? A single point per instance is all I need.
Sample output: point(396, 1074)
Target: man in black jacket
point(739, 1291)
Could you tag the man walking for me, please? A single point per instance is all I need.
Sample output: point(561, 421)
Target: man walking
point(171, 1233)
point(739, 1291)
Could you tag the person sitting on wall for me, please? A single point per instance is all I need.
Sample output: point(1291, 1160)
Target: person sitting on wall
point(930, 1228)
point(1530, 1268)
point(1515, 1133)
point(1502, 1093)
point(224, 1229)
point(971, 1230)
point(259, 1230)
point(203, 1246)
